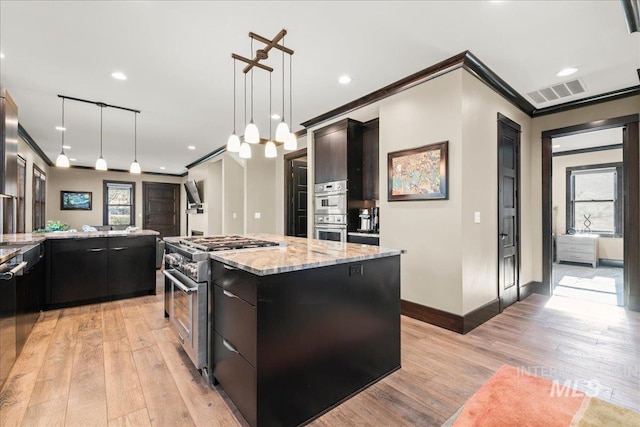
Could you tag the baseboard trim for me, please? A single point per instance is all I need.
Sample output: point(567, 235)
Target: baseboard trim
point(533, 287)
point(450, 321)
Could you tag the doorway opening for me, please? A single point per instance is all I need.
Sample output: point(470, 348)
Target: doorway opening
point(587, 221)
point(295, 203)
point(592, 213)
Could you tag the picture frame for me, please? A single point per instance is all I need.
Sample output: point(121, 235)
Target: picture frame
point(419, 173)
point(76, 200)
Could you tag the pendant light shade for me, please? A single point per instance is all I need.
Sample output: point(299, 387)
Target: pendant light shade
point(101, 163)
point(282, 131)
point(62, 161)
point(233, 143)
point(291, 142)
point(245, 151)
point(251, 133)
point(270, 150)
point(135, 166)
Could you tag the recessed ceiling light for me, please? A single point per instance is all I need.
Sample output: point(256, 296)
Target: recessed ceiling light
point(162, 167)
point(555, 146)
point(191, 147)
point(344, 79)
point(60, 128)
point(566, 72)
point(1, 55)
point(275, 117)
point(66, 147)
point(118, 75)
point(72, 159)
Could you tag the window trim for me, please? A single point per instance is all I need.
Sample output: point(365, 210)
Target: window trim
point(105, 201)
point(618, 204)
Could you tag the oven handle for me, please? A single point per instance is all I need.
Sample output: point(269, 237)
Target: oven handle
point(14, 271)
point(178, 283)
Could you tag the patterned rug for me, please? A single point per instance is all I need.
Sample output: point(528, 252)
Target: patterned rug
point(514, 398)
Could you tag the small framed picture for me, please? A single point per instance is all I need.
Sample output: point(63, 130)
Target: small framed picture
point(75, 200)
point(419, 173)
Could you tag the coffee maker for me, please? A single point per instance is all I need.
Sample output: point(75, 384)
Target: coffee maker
point(369, 220)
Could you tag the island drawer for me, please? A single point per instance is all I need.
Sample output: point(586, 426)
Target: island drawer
point(236, 281)
point(235, 320)
point(236, 376)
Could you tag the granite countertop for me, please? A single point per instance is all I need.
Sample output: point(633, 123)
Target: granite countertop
point(7, 254)
point(26, 238)
point(298, 254)
point(358, 233)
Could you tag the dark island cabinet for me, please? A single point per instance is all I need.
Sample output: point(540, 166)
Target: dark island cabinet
point(131, 264)
point(77, 270)
point(288, 347)
point(84, 270)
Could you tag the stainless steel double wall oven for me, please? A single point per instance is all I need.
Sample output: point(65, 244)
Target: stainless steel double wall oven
point(330, 220)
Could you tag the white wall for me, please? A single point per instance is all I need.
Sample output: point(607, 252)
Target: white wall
point(75, 179)
point(260, 193)
point(617, 108)
point(609, 247)
point(233, 187)
point(31, 158)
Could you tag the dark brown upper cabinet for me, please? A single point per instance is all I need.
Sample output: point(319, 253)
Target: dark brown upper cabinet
point(338, 155)
point(370, 160)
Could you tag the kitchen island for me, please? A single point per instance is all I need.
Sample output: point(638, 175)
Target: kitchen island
point(82, 268)
point(299, 328)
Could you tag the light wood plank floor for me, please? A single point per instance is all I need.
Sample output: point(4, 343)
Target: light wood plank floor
point(119, 364)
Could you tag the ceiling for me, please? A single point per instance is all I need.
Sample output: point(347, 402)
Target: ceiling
point(177, 56)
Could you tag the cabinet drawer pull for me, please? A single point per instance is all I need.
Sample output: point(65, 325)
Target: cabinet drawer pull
point(96, 249)
point(119, 249)
point(229, 347)
point(229, 294)
point(228, 267)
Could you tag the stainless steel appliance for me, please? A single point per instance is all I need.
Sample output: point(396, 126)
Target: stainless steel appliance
point(8, 162)
point(330, 216)
point(331, 198)
point(188, 291)
point(369, 220)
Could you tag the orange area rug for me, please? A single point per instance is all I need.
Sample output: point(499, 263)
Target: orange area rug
point(512, 397)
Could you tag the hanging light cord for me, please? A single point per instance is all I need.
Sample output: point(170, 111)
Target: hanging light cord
point(101, 108)
point(234, 96)
point(290, 95)
point(135, 137)
point(270, 74)
point(63, 128)
point(252, 82)
point(283, 81)
point(245, 99)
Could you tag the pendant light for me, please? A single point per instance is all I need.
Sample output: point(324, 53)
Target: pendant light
point(270, 148)
point(290, 142)
point(251, 133)
point(245, 149)
point(101, 163)
point(233, 143)
point(135, 166)
point(62, 161)
point(283, 129)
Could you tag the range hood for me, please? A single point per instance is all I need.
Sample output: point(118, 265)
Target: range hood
point(8, 146)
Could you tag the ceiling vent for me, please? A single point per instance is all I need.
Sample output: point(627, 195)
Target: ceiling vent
point(562, 90)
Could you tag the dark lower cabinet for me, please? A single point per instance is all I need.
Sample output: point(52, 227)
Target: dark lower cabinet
point(131, 264)
point(98, 269)
point(77, 270)
point(29, 302)
point(288, 347)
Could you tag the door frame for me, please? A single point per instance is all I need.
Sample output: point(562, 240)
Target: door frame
point(631, 178)
point(507, 121)
point(287, 183)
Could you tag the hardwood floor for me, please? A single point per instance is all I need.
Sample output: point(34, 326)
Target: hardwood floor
point(119, 364)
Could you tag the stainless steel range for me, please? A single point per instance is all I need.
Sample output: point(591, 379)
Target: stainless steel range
point(188, 294)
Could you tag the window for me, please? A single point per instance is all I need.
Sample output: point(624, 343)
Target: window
point(119, 203)
point(594, 199)
point(39, 197)
point(22, 191)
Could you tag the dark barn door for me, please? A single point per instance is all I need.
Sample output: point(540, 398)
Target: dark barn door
point(161, 208)
point(508, 211)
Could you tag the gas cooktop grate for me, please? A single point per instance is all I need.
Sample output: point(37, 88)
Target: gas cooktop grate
point(226, 243)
